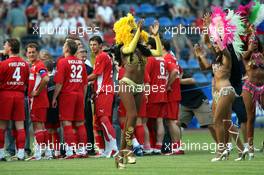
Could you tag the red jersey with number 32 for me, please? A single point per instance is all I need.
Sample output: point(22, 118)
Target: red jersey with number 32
point(14, 73)
point(103, 68)
point(37, 72)
point(71, 73)
point(158, 71)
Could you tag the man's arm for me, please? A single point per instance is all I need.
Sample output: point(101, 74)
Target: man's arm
point(172, 77)
point(57, 91)
point(91, 77)
point(43, 83)
point(188, 81)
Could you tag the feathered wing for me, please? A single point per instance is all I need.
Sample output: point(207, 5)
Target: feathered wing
point(236, 20)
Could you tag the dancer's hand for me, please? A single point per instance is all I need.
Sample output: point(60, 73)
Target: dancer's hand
point(154, 29)
point(206, 19)
point(197, 50)
point(140, 24)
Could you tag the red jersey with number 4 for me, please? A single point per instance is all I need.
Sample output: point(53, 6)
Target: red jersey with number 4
point(37, 72)
point(103, 68)
point(71, 73)
point(175, 93)
point(14, 73)
point(158, 71)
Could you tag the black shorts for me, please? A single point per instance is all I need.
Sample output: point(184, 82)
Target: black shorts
point(53, 116)
point(240, 110)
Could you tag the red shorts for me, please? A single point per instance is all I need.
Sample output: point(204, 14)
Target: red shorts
point(142, 111)
point(156, 110)
point(12, 106)
point(104, 105)
point(71, 107)
point(38, 114)
point(173, 110)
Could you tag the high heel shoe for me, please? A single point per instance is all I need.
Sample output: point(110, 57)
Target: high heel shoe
point(119, 162)
point(223, 156)
point(129, 157)
point(242, 154)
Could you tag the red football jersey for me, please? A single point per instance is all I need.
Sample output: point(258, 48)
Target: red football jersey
point(175, 93)
point(14, 73)
point(121, 72)
point(71, 73)
point(158, 71)
point(37, 72)
point(103, 68)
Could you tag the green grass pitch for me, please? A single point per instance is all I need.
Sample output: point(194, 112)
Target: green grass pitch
point(193, 162)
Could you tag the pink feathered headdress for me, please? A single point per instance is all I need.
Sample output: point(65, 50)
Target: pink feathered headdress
point(244, 10)
point(220, 29)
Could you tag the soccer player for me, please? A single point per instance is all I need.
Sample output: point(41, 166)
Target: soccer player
point(158, 71)
point(52, 124)
point(104, 88)
point(174, 98)
point(14, 73)
point(39, 102)
point(71, 85)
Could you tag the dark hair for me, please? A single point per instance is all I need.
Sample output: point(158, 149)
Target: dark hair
point(14, 44)
point(49, 64)
point(72, 46)
point(96, 38)
point(115, 51)
point(32, 45)
point(152, 43)
point(236, 72)
point(144, 50)
point(72, 37)
point(166, 44)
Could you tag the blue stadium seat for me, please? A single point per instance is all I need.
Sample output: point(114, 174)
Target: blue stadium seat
point(209, 76)
point(137, 19)
point(200, 77)
point(165, 21)
point(149, 21)
point(183, 64)
point(176, 21)
point(124, 8)
point(167, 36)
point(193, 64)
point(145, 8)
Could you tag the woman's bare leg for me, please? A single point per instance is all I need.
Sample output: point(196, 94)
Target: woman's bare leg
point(250, 109)
point(222, 110)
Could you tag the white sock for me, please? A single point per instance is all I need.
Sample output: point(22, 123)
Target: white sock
point(21, 153)
point(81, 151)
point(2, 153)
point(135, 143)
point(48, 152)
point(69, 151)
point(37, 151)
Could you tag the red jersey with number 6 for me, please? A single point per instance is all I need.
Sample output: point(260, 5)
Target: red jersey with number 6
point(37, 72)
point(14, 73)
